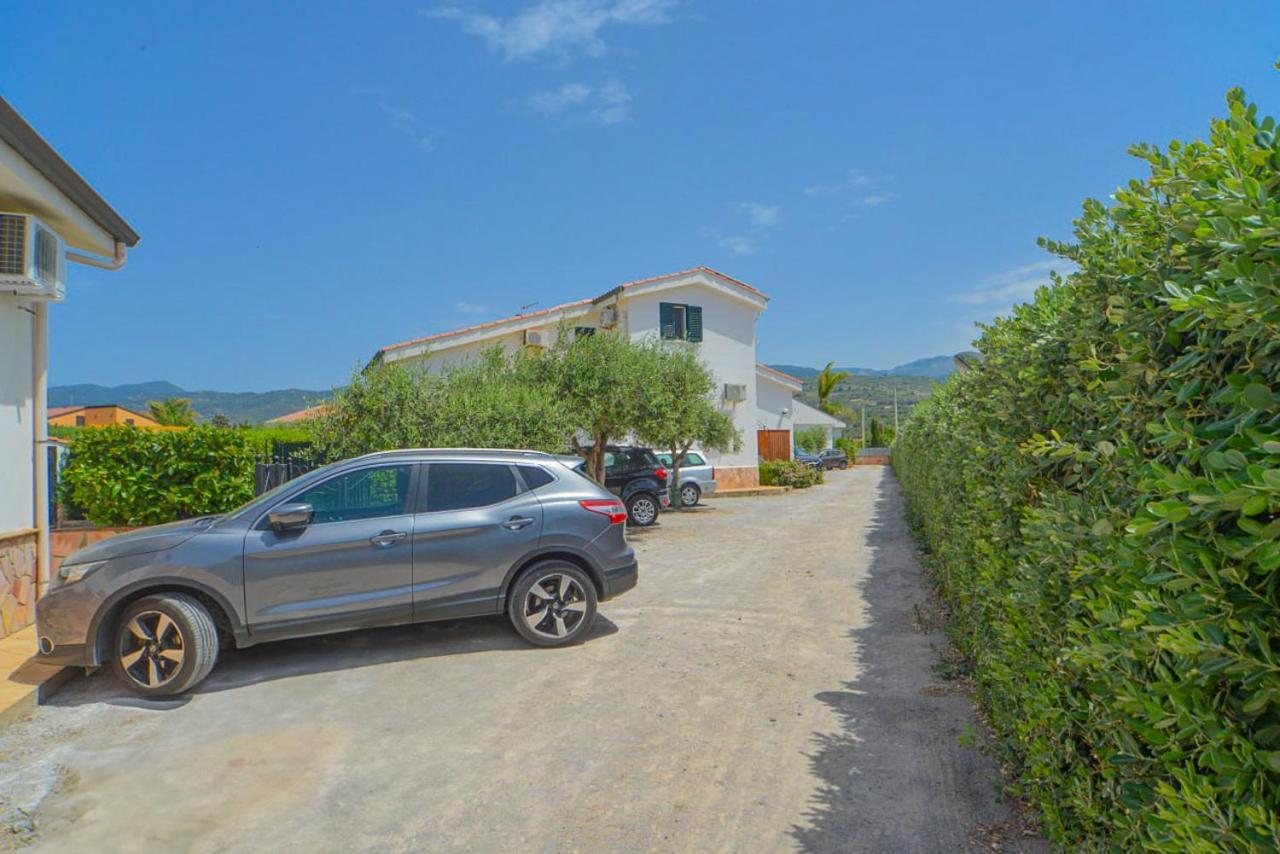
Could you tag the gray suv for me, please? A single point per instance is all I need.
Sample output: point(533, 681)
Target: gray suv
point(384, 539)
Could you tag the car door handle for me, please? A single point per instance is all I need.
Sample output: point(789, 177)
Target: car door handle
point(387, 538)
point(515, 523)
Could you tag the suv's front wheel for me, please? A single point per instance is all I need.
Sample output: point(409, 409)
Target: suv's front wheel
point(553, 604)
point(164, 645)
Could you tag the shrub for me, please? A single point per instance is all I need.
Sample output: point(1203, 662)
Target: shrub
point(130, 476)
point(849, 446)
point(789, 473)
point(1101, 499)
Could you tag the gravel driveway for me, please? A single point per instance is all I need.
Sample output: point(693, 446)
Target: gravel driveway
point(768, 686)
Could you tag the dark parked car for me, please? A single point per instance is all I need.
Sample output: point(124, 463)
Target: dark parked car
point(834, 458)
point(637, 477)
point(384, 539)
point(808, 459)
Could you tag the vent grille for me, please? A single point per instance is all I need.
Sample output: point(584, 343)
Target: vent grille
point(13, 239)
point(46, 256)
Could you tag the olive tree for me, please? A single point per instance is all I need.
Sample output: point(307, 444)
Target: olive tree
point(677, 409)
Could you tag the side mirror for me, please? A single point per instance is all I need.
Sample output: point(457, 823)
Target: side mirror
point(290, 517)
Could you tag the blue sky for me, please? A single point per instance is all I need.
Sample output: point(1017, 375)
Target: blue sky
point(314, 180)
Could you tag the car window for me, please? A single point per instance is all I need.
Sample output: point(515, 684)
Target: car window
point(458, 486)
point(693, 460)
point(665, 459)
point(610, 460)
point(363, 494)
point(643, 458)
point(535, 476)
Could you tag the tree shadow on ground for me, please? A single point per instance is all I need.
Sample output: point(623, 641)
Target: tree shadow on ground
point(895, 776)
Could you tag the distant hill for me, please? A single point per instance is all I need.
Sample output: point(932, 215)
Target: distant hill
point(934, 367)
point(250, 406)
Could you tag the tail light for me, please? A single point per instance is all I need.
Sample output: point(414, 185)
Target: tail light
point(660, 473)
point(610, 507)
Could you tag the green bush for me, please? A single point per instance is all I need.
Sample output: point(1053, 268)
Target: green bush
point(789, 473)
point(849, 446)
point(1101, 500)
point(130, 476)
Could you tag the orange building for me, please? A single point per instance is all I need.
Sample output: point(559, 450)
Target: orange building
point(97, 416)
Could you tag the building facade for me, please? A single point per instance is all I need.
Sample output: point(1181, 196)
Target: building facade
point(716, 312)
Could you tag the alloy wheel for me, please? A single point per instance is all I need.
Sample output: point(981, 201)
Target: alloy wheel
point(152, 649)
point(644, 510)
point(555, 606)
point(689, 496)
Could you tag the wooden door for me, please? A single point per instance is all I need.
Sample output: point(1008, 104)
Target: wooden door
point(774, 444)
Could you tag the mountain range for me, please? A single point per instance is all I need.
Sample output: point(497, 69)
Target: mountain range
point(934, 367)
point(239, 406)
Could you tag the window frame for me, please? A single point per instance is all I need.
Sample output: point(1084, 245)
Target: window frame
point(681, 330)
point(415, 470)
point(424, 478)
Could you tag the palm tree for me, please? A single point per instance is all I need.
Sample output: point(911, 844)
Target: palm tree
point(827, 382)
point(172, 412)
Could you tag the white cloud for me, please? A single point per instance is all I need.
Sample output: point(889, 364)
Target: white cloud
point(470, 308)
point(608, 105)
point(874, 200)
point(852, 179)
point(556, 100)
point(554, 26)
point(738, 244)
point(1012, 286)
point(405, 121)
point(615, 103)
point(761, 215)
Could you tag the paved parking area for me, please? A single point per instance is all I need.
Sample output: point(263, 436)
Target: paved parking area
point(768, 686)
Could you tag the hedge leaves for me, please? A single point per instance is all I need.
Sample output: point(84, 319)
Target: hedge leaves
point(1101, 497)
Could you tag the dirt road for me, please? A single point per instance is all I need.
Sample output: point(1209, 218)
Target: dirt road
point(767, 687)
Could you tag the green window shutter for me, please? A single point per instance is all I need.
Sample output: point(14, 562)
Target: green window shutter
point(667, 319)
point(693, 322)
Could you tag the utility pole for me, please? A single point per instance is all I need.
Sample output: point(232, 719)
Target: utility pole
point(895, 412)
point(863, 435)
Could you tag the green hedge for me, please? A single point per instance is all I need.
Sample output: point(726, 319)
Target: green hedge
point(131, 476)
point(789, 473)
point(1101, 501)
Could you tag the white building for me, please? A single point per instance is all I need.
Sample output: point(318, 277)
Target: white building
point(701, 305)
point(35, 181)
point(778, 409)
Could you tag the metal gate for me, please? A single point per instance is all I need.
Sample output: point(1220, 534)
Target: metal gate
point(774, 444)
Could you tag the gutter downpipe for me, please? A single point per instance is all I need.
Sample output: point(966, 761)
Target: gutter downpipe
point(40, 381)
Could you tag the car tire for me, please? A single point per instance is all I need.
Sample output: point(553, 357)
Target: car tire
point(643, 509)
point(690, 494)
point(164, 645)
point(553, 604)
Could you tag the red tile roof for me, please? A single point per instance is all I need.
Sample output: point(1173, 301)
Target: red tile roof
point(570, 305)
point(779, 373)
point(300, 415)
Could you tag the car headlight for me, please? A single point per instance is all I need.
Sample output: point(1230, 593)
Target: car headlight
point(72, 574)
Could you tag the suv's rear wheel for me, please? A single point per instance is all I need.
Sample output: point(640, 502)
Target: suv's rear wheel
point(689, 495)
point(553, 604)
point(642, 509)
point(164, 645)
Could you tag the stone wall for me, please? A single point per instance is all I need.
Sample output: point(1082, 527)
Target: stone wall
point(17, 581)
point(737, 477)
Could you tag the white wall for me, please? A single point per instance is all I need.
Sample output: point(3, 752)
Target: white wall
point(17, 508)
point(728, 347)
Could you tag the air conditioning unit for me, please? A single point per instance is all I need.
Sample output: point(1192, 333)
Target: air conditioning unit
point(735, 392)
point(609, 317)
point(535, 338)
point(32, 258)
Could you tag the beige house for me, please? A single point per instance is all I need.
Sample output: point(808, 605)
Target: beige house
point(701, 305)
point(49, 215)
